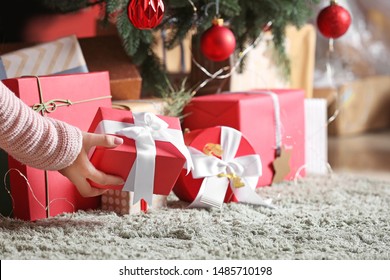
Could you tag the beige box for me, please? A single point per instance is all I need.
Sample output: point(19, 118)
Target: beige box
point(358, 106)
point(152, 105)
point(120, 202)
point(176, 59)
point(261, 70)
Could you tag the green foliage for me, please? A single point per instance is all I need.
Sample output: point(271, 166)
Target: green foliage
point(246, 18)
point(175, 98)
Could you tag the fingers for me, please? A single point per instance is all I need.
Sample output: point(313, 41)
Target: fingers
point(83, 170)
point(104, 179)
point(103, 140)
point(81, 183)
point(86, 190)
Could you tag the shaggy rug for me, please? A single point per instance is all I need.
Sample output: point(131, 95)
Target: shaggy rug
point(330, 217)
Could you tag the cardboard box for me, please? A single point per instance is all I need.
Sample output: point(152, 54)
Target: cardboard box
point(253, 113)
point(177, 59)
point(359, 106)
point(261, 70)
point(106, 53)
point(40, 194)
point(162, 169)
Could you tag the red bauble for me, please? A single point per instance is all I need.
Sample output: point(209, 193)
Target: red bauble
point(333, 21)
point(145, 14)
point(218, 42)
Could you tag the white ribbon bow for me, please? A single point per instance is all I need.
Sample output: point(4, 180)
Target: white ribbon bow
point(147, 129)
point(215, 184)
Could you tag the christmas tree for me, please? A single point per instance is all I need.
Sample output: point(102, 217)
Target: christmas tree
point(246, 18)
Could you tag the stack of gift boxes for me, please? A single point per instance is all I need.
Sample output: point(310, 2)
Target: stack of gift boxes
point(234, 142)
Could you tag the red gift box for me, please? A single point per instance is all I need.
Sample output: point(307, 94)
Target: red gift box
point(255, 114)
point(226, 168)
point(73, 98)
point(164, 167)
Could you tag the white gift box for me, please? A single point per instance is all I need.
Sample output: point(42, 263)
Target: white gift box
point(316, 136)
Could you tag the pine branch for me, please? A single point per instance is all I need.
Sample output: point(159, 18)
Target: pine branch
point(175, 99)
point(246, 18)
point(114, 6)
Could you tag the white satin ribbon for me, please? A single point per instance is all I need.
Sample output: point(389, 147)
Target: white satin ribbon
point(278, 122)
point(214, 186)
point(147, 129)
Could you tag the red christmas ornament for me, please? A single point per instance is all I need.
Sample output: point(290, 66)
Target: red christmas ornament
point(333, 21)
point(218, 42)
point(145, 14)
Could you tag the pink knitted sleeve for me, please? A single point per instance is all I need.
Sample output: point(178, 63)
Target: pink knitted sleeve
point(37, 141)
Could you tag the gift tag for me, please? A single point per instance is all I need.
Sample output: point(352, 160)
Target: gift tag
point(281, 165)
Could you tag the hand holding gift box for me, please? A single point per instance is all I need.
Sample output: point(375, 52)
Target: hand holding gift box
point(152, 156)
point(222, 157)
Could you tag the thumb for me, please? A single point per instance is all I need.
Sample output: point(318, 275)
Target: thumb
point(102, 140)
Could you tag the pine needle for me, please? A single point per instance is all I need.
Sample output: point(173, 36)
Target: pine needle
point(176, 98)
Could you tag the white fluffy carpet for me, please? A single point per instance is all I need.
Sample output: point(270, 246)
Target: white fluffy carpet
point(330, 217)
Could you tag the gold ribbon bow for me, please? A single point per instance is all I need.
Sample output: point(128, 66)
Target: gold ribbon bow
point(212, 149)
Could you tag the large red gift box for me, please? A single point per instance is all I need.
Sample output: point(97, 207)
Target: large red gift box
point(226, 168)
point(262, 116)
point(167, 162)
point(73, 98)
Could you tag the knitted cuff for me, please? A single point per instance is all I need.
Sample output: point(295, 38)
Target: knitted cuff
point(70, 141)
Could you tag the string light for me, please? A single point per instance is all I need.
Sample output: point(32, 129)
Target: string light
point(227, 71)
point(32, 192)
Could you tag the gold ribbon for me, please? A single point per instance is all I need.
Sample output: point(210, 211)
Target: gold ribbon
point(236, 180)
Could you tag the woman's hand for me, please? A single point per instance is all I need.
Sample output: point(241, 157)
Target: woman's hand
point(82, 170)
